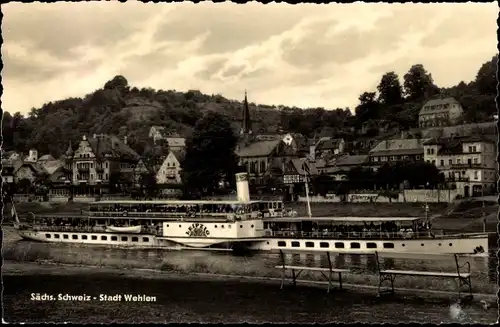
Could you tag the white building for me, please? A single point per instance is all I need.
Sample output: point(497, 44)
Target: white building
point(156, 133)
point(440, 112)
point(170, 170)
point(468, 163)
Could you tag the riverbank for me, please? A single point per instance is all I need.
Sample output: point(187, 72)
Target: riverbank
point(208, 299)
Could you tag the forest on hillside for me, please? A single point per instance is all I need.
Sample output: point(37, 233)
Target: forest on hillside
point(121, 109)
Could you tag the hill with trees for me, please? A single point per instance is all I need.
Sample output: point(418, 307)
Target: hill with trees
point(120, 109)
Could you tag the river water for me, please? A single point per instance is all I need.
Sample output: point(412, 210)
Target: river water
point(484, 280)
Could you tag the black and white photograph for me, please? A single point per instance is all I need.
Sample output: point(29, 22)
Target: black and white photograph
point(249, 163)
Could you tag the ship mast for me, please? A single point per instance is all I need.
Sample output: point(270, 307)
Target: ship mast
point(304, 167)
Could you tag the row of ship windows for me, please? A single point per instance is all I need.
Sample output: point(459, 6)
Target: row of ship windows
point(340, 245)
point(94, 237)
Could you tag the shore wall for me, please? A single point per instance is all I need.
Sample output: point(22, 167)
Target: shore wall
point(434, 196)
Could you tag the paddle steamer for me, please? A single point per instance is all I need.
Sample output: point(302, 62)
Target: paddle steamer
point(242, 224)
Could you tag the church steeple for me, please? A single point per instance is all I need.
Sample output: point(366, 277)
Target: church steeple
point(246, 124)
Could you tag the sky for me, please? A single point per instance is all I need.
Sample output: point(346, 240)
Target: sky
point(303, 55)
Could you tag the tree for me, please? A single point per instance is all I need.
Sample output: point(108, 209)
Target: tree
point(418, 84)
point(367, 108)
point(118, 82)
point(147, 182)
point(486, 79)
point(322, 184)
point(389, 89)
point(210, 155)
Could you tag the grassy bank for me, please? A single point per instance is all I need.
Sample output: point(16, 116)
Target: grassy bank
point(220, 265)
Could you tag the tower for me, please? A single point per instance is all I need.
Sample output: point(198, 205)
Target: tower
point(246, 123)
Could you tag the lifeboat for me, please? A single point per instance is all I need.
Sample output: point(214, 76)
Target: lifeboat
point(126, 229)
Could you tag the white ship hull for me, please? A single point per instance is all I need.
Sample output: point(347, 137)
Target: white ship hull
point(477, 244)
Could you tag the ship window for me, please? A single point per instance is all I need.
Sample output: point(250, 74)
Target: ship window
point(439, 244)
point(179, 226)
point(371, 245)
point(450, 244)
point(135, 239)
point(56, 235)
point(145, 239)
point(403, 245)
point(168, 225)
point(295, 244)
point(228, 226)
point(65, 236)
point(221, 226)
point(84, 237)
point(215, 226)
point(114, 238)
point(339, 245)
point(94, 237)
point(355, 245)
point(324, 245)
point(241, 226)
point(47, 235)
point(251, 226)
point(309, 244)
point(421, 244)
point(104, 238)
point(124, 238)
point(75, 237)
point(281, 243)
point(388, 245)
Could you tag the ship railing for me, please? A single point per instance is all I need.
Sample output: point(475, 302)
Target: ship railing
point(352, 235)
point(92, 229)
point(163, 214)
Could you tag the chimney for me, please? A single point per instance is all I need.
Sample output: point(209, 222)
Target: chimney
point(312, 152)
point(125, 139)
point(242, 190)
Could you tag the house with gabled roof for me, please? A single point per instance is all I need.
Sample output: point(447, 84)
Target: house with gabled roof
point(328, 146)
point(157, 133)
point(440, 112)
point(170, 170)
point(99, 161)
point(397, 150)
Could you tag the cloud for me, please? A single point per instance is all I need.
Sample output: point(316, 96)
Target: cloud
point(230, 26)
point(59, 28)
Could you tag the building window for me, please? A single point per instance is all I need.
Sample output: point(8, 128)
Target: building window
point(470, 149)
point(145, 239)
point(433, 162)
point(114, 238)
point(459, 161)
point(450, 162)
point(442, 162)
point(476, 174)
point(476, 160)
